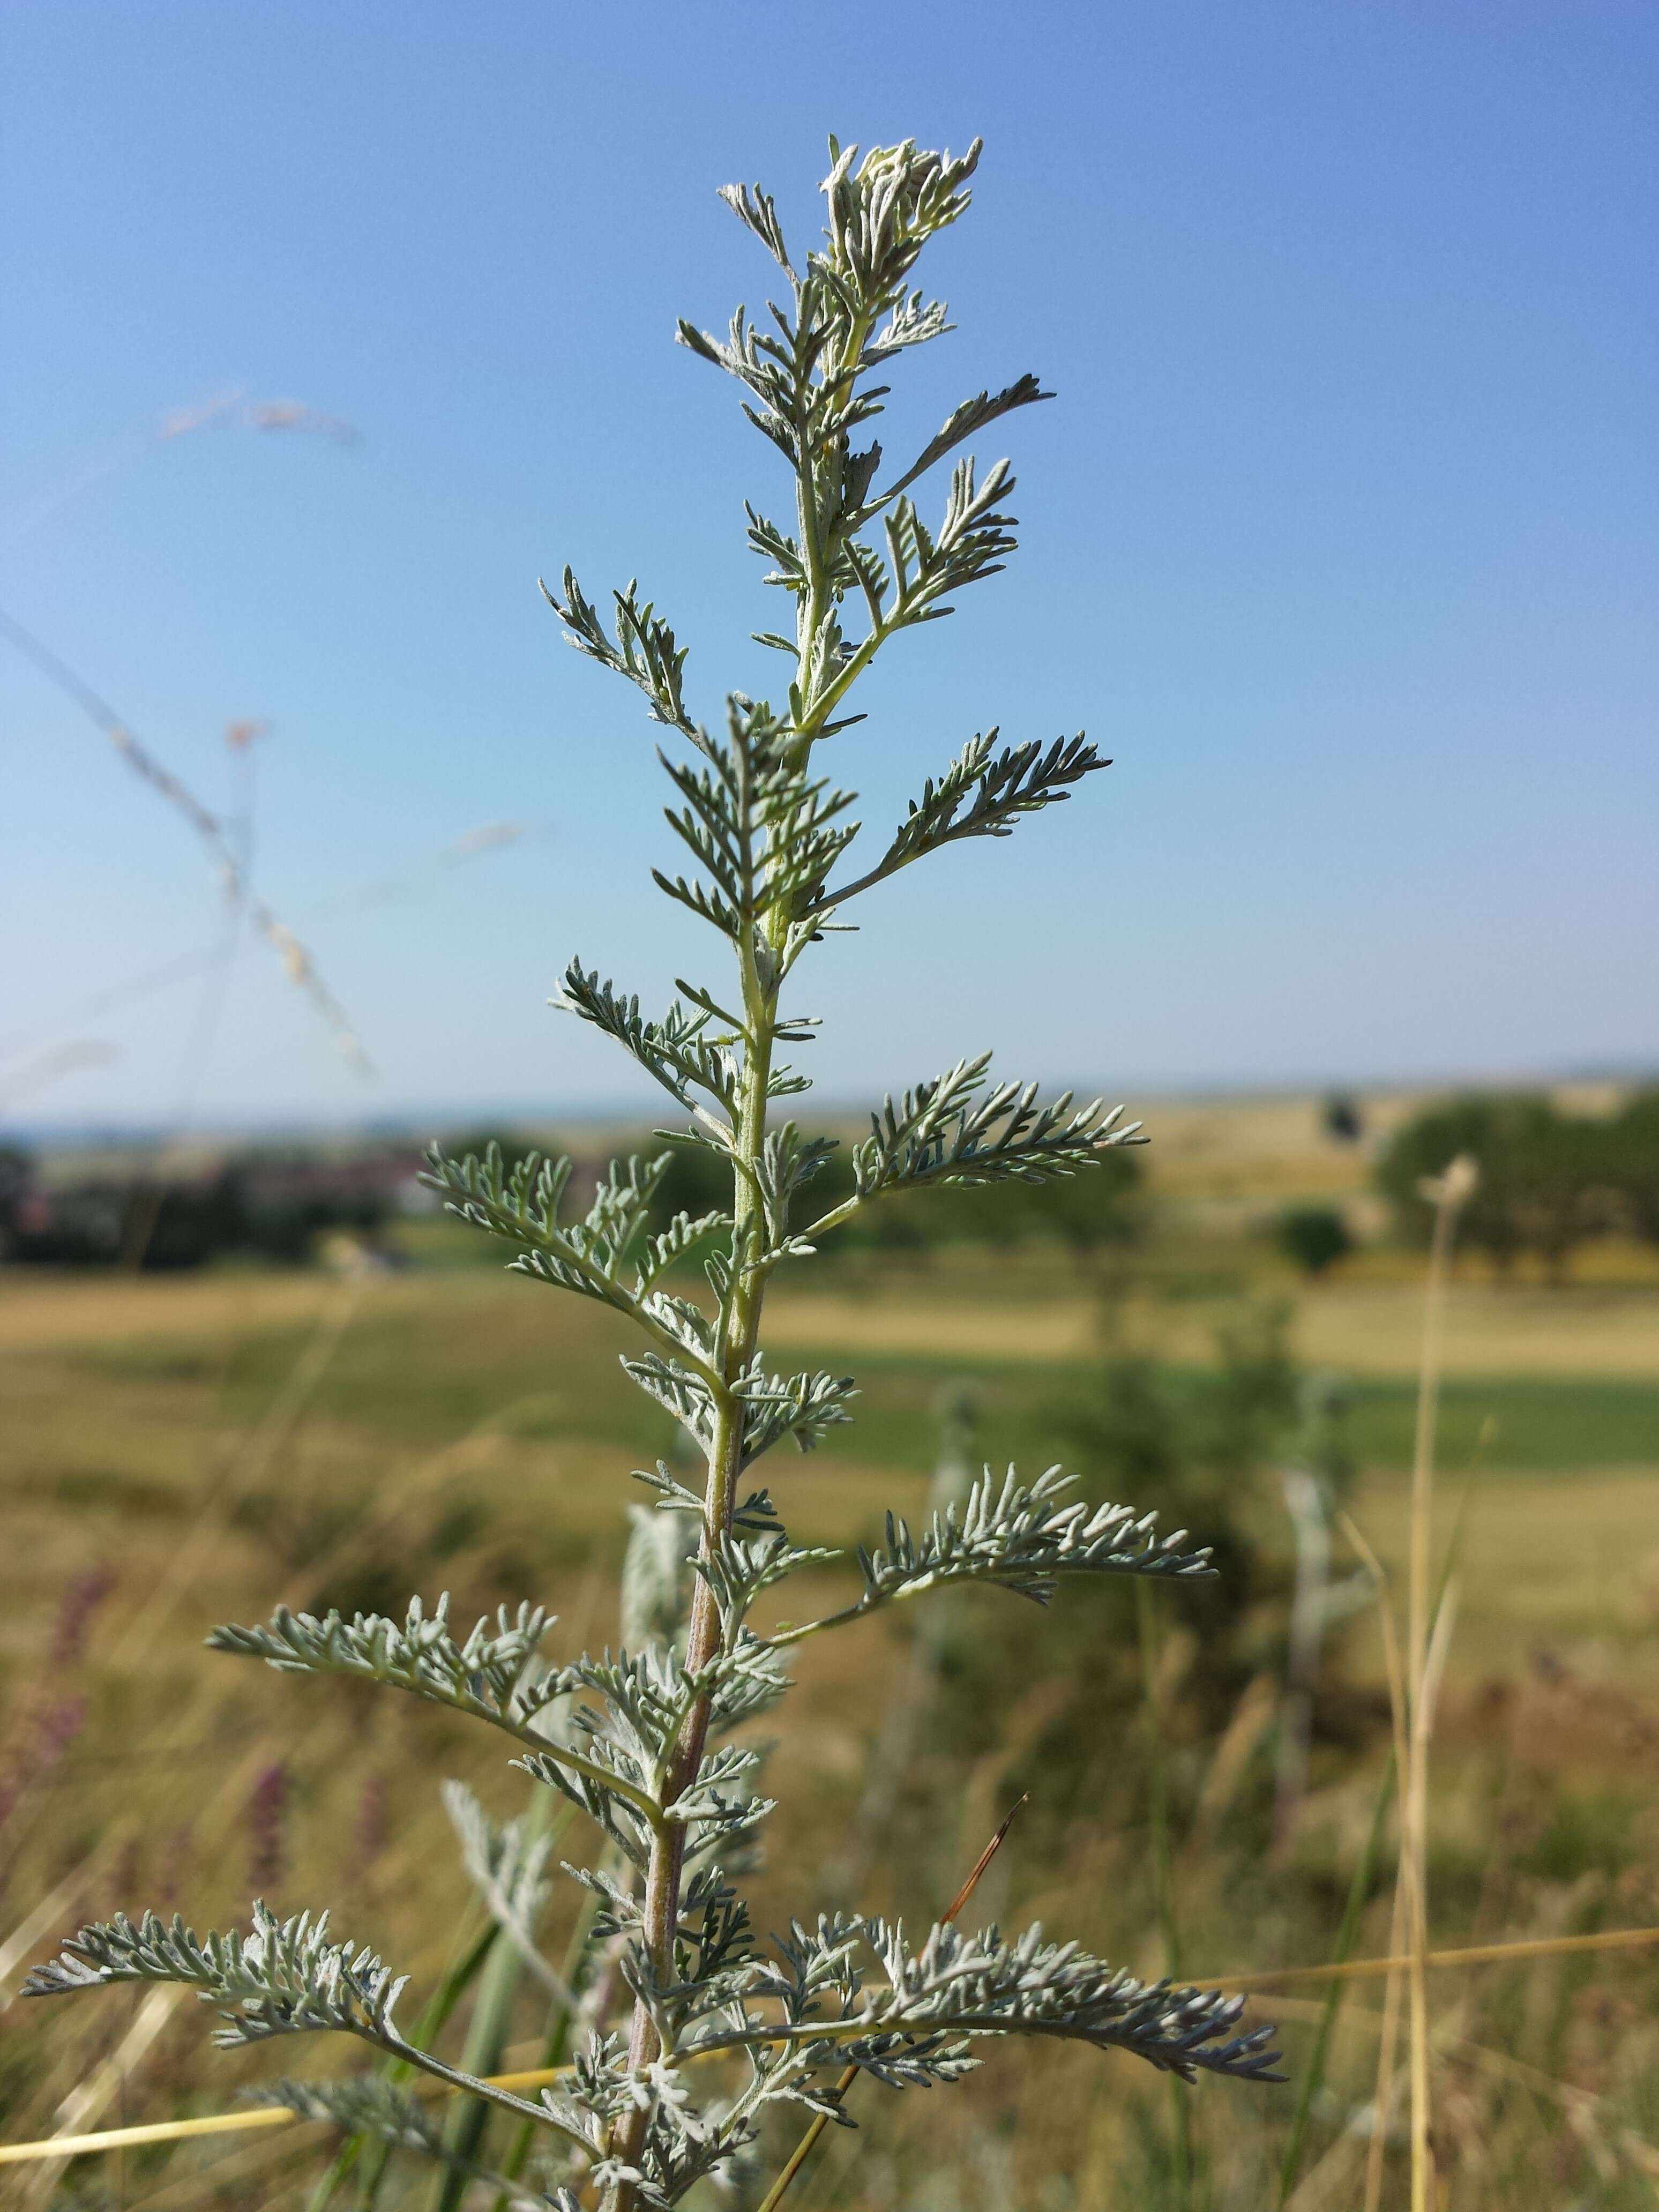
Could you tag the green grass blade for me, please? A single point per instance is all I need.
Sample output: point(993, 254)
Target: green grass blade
point(1314, 2080)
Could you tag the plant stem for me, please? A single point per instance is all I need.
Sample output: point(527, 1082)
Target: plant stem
point(1312, 2080)
point(486, 2039)
point(1163, 1865)
point(741, 1331)
point(1383, 2097)
point(561, 2027)
point(488, 2034)
point(1448, 1195)
point(375, 2156)
point(763, 931)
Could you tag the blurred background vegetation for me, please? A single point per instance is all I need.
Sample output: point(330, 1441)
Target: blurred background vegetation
point(256, 1375)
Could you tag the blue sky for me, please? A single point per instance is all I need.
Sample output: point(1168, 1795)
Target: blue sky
point(1340, 538)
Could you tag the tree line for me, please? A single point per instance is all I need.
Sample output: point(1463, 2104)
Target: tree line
point(1550, 1180)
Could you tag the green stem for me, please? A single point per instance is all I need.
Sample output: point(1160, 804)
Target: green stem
point(555, 2044)
point(1312, 2080)
point(741, 1328)
point(375, 2155)
point(488, 2030)
point(1157, 1782)
point(738, 1339)
point(487, 2038)
point(453, 2077)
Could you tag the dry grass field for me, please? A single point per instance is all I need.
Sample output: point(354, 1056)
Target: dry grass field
point(178, 1451)
point(1363, 1327)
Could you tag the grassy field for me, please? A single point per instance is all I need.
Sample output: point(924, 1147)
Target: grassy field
point(221, 1442)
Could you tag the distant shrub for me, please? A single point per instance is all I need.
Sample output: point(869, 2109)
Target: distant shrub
point(1343, 1119)
point(17, 1177)
point(513, 1144)
point(76, 1226)
point(271, 1210)
point(1548, 1180)
point(1203, 1447)
point(1631, 1140)
point(1314, 1236)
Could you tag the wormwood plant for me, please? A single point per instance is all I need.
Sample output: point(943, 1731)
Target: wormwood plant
point(696, 2028)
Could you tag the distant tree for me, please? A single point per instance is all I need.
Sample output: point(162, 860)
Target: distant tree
point(1203, 1445)
point(16, 1179)
point(75, 1225)
point(1090, 1212)
point(694, 1182)
point(1343, 1120)
point(1631, 1162)
point(187, 1224)
point(1545, 1182)
point(192, 1221)
point(515, 1145)
point(1314, 1236)
point(1560, 1182)
point(1423, 1148)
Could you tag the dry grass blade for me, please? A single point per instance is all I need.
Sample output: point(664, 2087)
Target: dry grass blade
point(1314, 2080)
point(1411, 1737)
point(1472, 1954)
point(1252, 1717)
point(959, 1902)
point(46, 1068)
point(295, 959)
point(1383, 2097)
point(1478, 1954)
point(1425, 1700)
point(1447, 1192)
point(154, 2131)
point(66, 2147)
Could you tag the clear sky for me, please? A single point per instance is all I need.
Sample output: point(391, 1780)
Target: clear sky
point(1341, 536)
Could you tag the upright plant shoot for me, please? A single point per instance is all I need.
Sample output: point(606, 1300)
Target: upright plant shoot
point(644, 1741)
